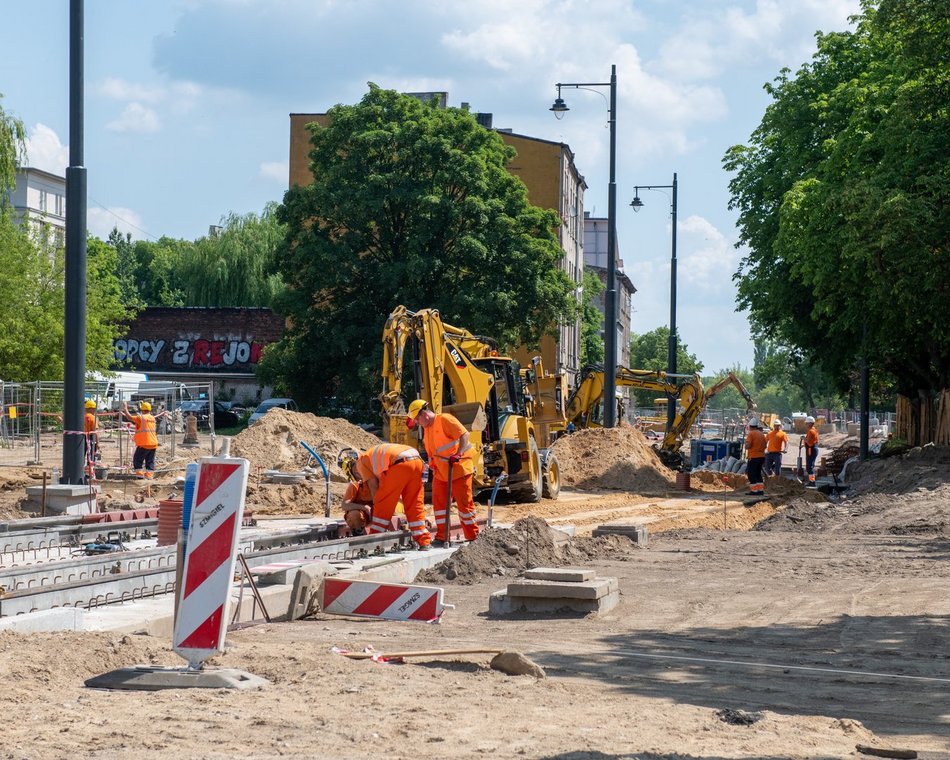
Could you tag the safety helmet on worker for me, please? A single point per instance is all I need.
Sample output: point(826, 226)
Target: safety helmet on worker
point(346, 461)
point(90, 404)
point(753, 421)
point(413, 411)
point(776, 423)
point(810, 420)
point(145, 406)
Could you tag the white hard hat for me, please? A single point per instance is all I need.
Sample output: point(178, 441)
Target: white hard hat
point(753, 421)
point(776, 423)
point(810, 419)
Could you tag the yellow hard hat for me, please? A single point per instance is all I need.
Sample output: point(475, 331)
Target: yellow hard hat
point(145, 406)
point(415, 407)
point(90, 404)
point(346, 460)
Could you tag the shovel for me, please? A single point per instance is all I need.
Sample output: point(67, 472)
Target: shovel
point(448, 508)
point(798, 467)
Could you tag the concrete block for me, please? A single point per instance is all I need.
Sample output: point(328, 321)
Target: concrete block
point(594, 589)
point(562, 574)
point(153, 678)
point(636, 533)
point(303, 598)
point(64, 498)
point(501, 603)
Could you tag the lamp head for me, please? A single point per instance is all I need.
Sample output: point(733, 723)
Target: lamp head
point(636, 203)
point(560, 107)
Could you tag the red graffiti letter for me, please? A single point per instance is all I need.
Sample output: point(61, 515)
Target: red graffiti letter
point(217, 353)
point(200, 355)
point(256, 349)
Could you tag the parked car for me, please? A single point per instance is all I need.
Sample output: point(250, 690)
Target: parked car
point(224, 415)
point(272, 403)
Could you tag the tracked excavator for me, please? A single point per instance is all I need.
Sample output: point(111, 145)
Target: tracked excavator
point(586, 402)
point(462, 373)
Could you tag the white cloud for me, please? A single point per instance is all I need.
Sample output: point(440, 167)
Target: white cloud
point(100, 221)
point(119, 89)
point(277, 171)
point(710, 258)
point(45, 151)
point(135, 118)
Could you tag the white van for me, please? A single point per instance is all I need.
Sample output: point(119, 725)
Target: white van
point(109, 391)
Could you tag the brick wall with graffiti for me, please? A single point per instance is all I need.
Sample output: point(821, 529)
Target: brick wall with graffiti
point(197, 339)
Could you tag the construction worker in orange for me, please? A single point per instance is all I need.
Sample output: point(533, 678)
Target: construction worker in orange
point(146, 438)
point(446, 442)
point(811, 449)
point(357, 501)
point(91, 429)
point(777, 445)
point(755, 457)
point(392, 471)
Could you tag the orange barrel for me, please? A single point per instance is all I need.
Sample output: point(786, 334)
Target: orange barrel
point(169, 521)
point(682, 484)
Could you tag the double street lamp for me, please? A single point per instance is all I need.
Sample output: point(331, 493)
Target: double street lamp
point(637, 204)
point(610, 297)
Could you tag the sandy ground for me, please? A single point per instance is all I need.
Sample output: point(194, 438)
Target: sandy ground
point(824, 623)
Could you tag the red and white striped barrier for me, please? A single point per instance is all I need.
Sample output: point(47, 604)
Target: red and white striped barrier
point(389, 601)
point(210, 554)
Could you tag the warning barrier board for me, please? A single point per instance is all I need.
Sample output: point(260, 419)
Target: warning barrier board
point(210, 554)
point(389, 601)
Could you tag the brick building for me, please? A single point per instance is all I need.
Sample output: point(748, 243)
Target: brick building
point(201, 345)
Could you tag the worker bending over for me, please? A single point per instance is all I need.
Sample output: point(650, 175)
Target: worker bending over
point(755, 457)
point(811, 448)
point(145, 438)
point(449, 450)
point(777, 445)
point(392, 471)
point(357, 501)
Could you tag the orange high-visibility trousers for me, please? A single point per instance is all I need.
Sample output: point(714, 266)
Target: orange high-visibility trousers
point(462, 496)
point(402, 479)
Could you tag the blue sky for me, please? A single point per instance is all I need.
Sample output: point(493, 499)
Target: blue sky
point(188, 101)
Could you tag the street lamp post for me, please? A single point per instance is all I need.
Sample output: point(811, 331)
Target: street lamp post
point(610, 296)
point(637, 204)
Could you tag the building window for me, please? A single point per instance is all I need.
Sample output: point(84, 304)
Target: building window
point(60, 205)
point(44, 200)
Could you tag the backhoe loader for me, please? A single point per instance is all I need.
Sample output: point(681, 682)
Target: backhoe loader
point(461, 373)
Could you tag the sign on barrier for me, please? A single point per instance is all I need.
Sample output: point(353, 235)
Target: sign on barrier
point(389, 601)
point(210, 554)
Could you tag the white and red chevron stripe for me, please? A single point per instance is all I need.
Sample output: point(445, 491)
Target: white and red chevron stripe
point(390, 601)
point(209, 558)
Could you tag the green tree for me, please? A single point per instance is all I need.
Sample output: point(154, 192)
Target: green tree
point(125, 267)
point(592, 321)
point(651, 351)
point(842, 195)
point(410, 204)
point(12, 149)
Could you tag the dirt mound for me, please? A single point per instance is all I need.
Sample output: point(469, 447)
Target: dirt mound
point(273, 443)
point(530, 542)
point(619, 458)
point(927, 467)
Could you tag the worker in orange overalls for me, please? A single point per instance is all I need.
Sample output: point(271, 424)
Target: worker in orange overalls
point(777, 445)
point(446, 442)
point(810, 442)
point(392, 471)
point(145, 438)
point(755, 457)
point(357, 501)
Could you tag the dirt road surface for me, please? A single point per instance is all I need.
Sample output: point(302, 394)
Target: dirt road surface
point(794, 628)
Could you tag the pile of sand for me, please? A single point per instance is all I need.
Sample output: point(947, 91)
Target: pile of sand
point(927, 467)
point(529, 542)
point(273, 443)
point(618, 458)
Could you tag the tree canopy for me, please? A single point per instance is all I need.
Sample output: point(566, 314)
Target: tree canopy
point(842, 196)
point(651, 351)
point(592, 321)
point(12, 141)
point(410, 204)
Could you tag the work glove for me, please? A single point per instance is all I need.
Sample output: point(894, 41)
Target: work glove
point(455, 459)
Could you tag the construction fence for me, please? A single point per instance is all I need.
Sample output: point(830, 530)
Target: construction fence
point(31, 423)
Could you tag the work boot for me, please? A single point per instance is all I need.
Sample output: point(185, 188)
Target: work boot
point(437, 543)
point(422, 547)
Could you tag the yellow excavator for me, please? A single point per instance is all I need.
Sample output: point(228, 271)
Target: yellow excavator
point(461, 373)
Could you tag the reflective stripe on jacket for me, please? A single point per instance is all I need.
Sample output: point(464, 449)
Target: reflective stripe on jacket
point(145, 436)
point(442, 441)
point(380, 458)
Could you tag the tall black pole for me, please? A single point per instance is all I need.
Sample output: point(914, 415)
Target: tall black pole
point(671, 350)
point(610, 297)
point(865, 430)
point(74, 368)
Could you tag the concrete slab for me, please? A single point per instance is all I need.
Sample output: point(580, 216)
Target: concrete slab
point(152, 678)
point(594, 589)
point(562, 574)
point(635, 532)
point(63, 499)
point(501, 603)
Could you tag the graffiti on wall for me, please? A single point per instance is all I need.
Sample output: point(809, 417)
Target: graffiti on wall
point(188, 353)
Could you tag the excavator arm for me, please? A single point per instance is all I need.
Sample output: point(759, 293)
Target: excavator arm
point(731, 378)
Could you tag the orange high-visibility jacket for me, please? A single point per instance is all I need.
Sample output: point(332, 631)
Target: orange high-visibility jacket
point(380, 458)
point(90, 422)
point(145, 436)
point(755, 444)
point(778, 441)
point(358, 493)
point(811, 437)
point(441, 439)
